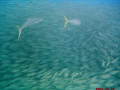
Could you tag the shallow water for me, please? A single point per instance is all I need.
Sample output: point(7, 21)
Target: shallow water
point(50, 57)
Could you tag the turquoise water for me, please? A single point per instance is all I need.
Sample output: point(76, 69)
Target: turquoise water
point(50, 57)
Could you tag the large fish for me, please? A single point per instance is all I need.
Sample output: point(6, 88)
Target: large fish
point(29, 22)
point(73, 21)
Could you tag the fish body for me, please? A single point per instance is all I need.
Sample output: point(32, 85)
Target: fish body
point(103, 64)
point(75, 21)
point(31, 21)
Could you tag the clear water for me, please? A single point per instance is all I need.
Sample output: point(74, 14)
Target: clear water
point(50, 57)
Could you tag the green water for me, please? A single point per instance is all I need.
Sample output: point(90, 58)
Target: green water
point(50, 57)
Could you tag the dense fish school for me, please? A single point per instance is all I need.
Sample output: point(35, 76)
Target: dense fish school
point(49, 56)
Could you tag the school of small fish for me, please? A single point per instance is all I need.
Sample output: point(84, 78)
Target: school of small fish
point(77, 58)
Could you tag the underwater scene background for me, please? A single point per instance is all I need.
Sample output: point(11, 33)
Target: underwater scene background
point(48, 56)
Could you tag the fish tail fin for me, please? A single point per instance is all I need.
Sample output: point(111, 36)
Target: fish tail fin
point(19, 31)
point(66, 21)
